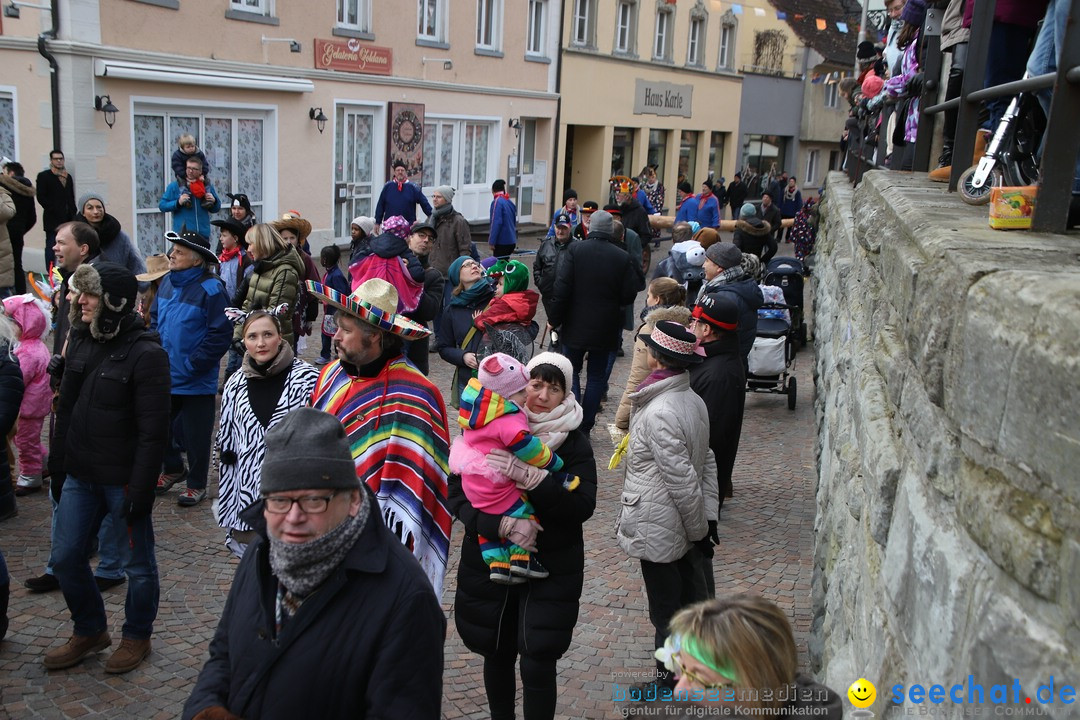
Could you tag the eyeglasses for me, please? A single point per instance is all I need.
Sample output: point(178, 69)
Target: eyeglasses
point(309, 504)
point(682, 671)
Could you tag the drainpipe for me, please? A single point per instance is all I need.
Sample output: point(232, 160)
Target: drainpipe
point(560, 162)
point(54, 69)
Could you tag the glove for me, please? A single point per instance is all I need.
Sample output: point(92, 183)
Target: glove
point(56, 484)
point(706, 547)
point(238, 346)
point(915, 85)
point(713, 535)
point(524, 475)
point(216, 713)
point(520, 531)
point(137, 505)
point(55, 368)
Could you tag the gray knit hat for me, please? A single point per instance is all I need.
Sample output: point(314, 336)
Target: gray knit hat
point(602, 222)
point(308, 450)
point(447, 192)
point(87, 197)
point(724, 254)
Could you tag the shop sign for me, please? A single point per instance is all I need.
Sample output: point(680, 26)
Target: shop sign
point(653, 97)
point(351, 56)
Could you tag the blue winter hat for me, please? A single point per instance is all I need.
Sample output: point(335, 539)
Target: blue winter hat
point(747, 210)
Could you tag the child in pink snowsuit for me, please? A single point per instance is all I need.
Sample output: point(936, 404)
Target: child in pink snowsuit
point(33, 322)
point(491, 417)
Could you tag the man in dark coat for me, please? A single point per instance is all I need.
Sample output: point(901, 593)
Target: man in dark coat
point(593, 283)
point(112, 422)
point(421, 241)
point(400, 196)
point(56, 193)
point(724, 273)
point(22, 192)
point(549, 257)
point(736, 194)
point(721, 382)
point(753, 235)
point(633, 215)
point(770, 213)
point(325, 600)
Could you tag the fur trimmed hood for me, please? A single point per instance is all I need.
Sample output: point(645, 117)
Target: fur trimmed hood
point(753, 226)
point(669, 313)
point(16, 186)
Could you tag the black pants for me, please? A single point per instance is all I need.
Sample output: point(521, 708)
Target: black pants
point(16, 254)
point(417, 352)
point(502, 251)
point(539, 688)
point(669, 587)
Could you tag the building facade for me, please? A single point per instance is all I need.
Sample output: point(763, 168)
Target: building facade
point(302, 106)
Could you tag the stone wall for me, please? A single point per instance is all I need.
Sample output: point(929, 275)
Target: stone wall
point(948, 401)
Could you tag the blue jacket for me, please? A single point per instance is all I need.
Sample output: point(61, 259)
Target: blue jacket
point(335, 279)
point(194, 216)
point(688, 210)
point(503, 222)
point(708, 215)
point(642, 198)
point(189, 314)
point(791, 208)
point(401, 202)
point(575, 220)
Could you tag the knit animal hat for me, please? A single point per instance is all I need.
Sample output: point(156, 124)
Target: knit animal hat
point(308, 450)
point(502, 374)
point(747, 210)
point(515, 275)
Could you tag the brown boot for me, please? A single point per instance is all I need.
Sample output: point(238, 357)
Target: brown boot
point(941, 174)
point(982, 140)
point(128, 656)
point(74, 650)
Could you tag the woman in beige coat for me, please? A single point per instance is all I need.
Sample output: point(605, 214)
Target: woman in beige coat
point(669, 498)
point(7, 257)
point(665, 301)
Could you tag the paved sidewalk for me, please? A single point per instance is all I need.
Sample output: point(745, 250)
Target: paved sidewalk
point(766, 536)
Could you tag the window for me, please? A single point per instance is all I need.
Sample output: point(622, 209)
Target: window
point(260, 11)
point(665, 19)
point(461, 153)
point(695, 48)
point(354, 15)
point(688, 157)
point(658, 150)
point(728, 26)
point(583, 24)
point(716, 154)
point(626, 27)
point(769, 51)
point(811, 168)
point(622, 145)
point(262, 7)
point(489, 25)
point(7, 125)
point(431, 21)
point(536, 33)
point(235, 144)
point(831, 95)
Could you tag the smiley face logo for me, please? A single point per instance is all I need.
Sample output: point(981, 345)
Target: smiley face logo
point(862, 693)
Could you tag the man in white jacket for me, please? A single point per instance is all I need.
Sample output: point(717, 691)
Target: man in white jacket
point(669, 499)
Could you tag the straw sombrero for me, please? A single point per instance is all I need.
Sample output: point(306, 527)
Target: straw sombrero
point(375, 302)
point(291, 220)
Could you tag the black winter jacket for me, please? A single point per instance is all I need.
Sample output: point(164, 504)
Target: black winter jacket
point(430, 306)
point(57, 200)
point(773, 217)
point(748, 296)
point(22, 194)
point(114, 398)
point(11, 393)
point(595, 280)
point(546, 265)
point(546, 610)
point(456, 322)
point(754, 236)
point(367, 644)
point(635, 218)
point(736, 196)
point(721, 382)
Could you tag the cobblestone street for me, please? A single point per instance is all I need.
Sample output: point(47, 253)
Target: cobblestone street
point(766, 535)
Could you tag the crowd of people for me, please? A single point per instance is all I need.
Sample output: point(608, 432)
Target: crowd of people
point(338, 484)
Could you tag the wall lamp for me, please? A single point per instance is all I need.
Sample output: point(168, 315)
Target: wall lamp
point(103, 104)
point(515, 125)
point(316, 114)
point(294, 46)
point(447, 63)
point(11, 10)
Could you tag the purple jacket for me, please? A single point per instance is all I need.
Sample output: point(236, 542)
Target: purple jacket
point(1025, 13)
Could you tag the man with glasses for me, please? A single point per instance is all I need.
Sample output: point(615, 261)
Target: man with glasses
point(191, 203)
point(328, 615)
point(56, 193)
point(421, 242)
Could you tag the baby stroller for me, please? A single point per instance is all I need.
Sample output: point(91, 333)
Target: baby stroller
point(773, 355)
point(787, 274)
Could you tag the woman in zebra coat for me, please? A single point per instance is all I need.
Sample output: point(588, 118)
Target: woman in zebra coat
point(271, 383)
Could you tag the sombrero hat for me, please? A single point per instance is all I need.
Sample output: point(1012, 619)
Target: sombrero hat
point(375, 302)
point(625, 184)
point(292, 221)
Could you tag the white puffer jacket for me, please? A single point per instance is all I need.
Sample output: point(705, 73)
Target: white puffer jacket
point(669, 488)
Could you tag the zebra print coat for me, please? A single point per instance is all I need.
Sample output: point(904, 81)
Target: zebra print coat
point(240, 439)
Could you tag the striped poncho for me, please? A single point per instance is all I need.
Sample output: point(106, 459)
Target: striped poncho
point(396, 423)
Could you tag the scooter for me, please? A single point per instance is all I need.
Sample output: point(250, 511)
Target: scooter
point(1011, 157)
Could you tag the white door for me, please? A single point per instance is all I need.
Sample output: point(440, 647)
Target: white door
point(354, 153)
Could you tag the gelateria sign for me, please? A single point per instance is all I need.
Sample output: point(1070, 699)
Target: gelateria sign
point(351, 56)
point(663, 98)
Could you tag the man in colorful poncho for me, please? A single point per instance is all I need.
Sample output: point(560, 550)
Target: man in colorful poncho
point(395, 418)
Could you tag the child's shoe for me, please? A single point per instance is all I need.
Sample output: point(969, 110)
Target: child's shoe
point(528, 567)
point(501, 575)
point(27, 485)
point(208, 202)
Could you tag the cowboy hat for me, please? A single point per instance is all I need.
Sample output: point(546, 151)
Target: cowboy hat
point(233, 225)
point(375, 302)
point(193, 241)
point(293, 221)
point(156, 266)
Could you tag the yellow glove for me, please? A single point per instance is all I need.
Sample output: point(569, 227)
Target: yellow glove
point(620, 450)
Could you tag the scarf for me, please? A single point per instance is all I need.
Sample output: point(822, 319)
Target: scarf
point(227, 255)
point(478, 293)
point(789, 196)
point(500, 195)
point(656, 376)
point(303, 567)
point(553, 426)
point(727, 276)
point(703, 198)
point(278, 364)
point(442, 210)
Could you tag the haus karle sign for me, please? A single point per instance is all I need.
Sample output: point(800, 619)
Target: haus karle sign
point(352, 56)
point(653, 97)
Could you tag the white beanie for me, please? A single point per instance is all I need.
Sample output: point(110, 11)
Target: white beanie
point(552, 358)
point(364, 223)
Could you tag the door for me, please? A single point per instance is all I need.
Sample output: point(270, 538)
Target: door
point(354, 153)
point(527, 188)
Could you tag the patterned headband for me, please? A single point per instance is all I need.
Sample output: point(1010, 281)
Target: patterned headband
point(673, 344)
point(239, 317)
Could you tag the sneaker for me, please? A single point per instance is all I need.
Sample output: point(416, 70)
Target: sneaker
point(104, 584)
point(322, 360)
point(74, 650)
point(501, 575)
point(27, 485)
point(42, 583)
point(527, 567)
point(191, 497)
point(166, 480)
point(128, 656)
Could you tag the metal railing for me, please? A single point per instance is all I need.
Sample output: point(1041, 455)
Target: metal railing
point(1062, 136)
